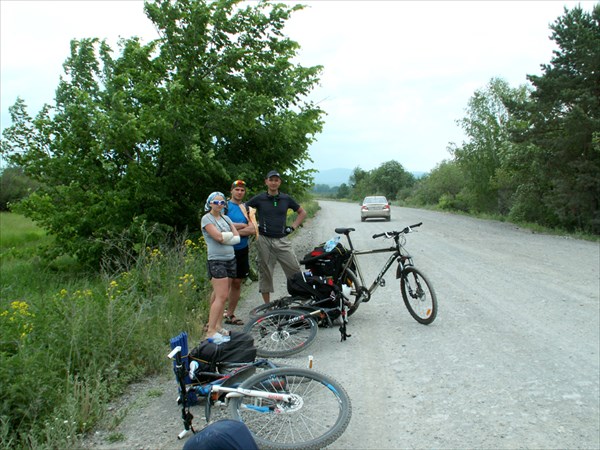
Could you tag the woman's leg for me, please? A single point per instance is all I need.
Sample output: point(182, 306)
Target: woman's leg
point(215, 316)
point(234, 295)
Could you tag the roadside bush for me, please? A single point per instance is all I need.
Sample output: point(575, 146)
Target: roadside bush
point(14, 186)
point(458, 202)
point(70, 342)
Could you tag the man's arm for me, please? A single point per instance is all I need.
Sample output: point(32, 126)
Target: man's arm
point(301, 215)
point(245, 229)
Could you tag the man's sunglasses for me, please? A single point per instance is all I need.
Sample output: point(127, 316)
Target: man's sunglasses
point(218, 202)
point(238, 183)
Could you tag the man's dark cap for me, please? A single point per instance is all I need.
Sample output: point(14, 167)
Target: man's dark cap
point(273, 173)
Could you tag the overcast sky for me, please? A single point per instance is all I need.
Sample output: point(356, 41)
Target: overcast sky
point(397, 74)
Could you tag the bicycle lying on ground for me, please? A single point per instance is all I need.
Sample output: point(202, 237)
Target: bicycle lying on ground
point(284, 332)
point(283, 407)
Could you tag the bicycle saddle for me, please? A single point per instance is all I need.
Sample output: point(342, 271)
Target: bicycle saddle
point(345, 231)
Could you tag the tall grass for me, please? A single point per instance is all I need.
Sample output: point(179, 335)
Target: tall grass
point(71, 340)
point(17, 230)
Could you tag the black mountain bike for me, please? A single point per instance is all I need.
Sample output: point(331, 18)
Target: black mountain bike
point(284, 332)
point(416, 289)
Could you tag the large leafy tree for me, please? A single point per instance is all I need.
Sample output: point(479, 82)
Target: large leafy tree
point(143, 137)
point(389, 179)
point(487, 127)
point(445, 181)
point(14, 186)
point(559, 159)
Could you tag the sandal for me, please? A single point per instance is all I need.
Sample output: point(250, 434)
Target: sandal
point(232, 320)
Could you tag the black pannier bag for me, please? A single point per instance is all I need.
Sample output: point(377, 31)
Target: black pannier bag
point(239, 349)
point(310, 286)
point(327, 264)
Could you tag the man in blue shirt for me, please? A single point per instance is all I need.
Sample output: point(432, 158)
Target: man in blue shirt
point(273, 244)
point(236, 211)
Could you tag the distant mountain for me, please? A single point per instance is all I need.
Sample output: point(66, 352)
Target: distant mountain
point(335, 177)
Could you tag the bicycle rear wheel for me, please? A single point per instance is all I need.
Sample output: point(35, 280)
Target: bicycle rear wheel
point(350, 280)
point(318, 414)
point(419, 296)
point(280, 303)
point(282, 332)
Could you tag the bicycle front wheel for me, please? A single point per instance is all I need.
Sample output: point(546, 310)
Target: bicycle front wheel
point(317, 415)
point(419, 296)
point(282, 332)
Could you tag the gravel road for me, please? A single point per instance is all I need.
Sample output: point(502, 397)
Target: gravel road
point(512, 360)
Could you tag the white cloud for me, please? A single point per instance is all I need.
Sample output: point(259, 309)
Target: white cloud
point(397, 74)
point(35, 41)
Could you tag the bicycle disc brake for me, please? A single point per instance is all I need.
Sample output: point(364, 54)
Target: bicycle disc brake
point(280, 336)
point(294, 405)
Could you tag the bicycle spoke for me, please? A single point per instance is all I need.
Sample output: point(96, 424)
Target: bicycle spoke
point(317, 415)
point(419, 297)
point(275, 336)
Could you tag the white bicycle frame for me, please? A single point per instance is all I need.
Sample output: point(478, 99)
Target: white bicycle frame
point(240, 392)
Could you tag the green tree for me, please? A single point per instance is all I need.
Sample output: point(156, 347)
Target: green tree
point(445, 181)
point(343, 191)
point(559, 166)
point(390, 179)
point(487, 128)
point(144, 137)
point(14, 186)
point(357, 180)
point(325, 189)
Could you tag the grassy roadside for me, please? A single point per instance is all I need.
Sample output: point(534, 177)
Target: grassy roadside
point(82, 337)
point(72, 340)
point(17, 230)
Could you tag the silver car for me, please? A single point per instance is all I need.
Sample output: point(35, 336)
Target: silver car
point(375, 207)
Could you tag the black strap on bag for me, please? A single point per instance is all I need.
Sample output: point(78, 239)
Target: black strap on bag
point(239, 349)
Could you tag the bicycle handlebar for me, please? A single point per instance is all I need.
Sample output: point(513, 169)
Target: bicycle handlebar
point(406, 230)
point(174, 352)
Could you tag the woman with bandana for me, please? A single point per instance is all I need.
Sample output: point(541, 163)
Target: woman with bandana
point(220, 235)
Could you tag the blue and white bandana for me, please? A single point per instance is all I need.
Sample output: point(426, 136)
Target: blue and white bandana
point(211, 198)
